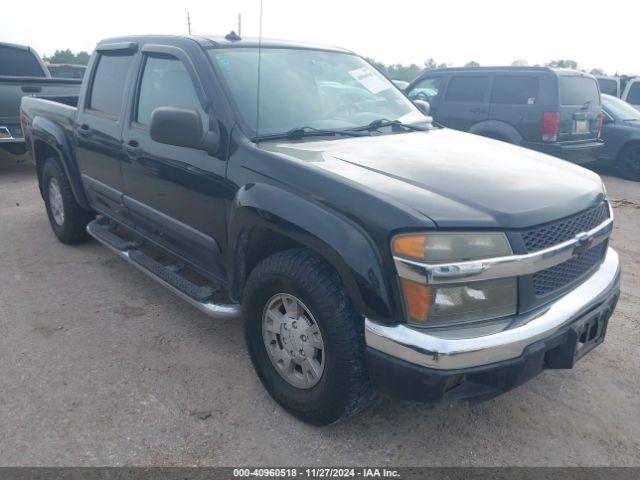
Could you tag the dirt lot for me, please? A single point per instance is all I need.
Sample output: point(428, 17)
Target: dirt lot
point(101, 366)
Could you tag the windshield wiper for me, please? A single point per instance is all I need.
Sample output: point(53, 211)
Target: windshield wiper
point(385, 122)
point(301, 132)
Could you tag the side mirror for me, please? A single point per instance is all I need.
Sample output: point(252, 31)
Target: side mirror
point(176, 126)
point(423, 106)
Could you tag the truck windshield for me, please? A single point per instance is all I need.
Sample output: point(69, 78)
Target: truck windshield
point(18, 62)
point(302, 88)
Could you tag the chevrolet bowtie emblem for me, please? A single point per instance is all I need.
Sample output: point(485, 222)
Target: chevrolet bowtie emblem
point(584, 243)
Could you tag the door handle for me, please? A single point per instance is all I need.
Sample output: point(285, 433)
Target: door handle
point(84, 130)
point(132, 147)
point(31, 89)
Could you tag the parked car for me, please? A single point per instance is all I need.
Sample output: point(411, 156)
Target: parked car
point(401, 84)
point(553, 111)
point(366, 248)
point(66, 70)
point(621, 135)
point(609, 85)
point(23, 73)
point(631, 93)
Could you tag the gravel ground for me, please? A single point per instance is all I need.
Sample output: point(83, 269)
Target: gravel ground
point(101, 366)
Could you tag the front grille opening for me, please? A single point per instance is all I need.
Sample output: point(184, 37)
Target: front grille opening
point(546, 236)
point(559, 276)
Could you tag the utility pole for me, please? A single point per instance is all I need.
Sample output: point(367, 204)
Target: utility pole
point(240, 24)
point(188, 23)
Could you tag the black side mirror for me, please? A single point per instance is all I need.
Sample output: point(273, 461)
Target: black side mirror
point(177, 126)
point(423, 106)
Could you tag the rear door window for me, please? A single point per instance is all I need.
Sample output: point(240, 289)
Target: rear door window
point(467, 89)
point(166, 83)
point(108, 85)
point(514, 90)
point(576, 90)
point(17, 62)
point(633, 96)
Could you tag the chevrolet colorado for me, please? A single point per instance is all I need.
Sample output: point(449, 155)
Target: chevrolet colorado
point(365, 248)
point(23, 73)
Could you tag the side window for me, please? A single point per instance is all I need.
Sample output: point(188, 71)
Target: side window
point(428, 89)
point(467, 89)
point(512, 90)
point(165, 83)
point(634, 94)
point(108, 85)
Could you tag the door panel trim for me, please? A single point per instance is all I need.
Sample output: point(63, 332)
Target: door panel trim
point(172, 225)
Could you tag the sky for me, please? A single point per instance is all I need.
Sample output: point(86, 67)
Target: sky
point(491, 32)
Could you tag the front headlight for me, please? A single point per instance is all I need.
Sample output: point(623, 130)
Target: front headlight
point(455, 304)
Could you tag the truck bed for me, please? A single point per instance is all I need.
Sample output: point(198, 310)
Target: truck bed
point(13, 89)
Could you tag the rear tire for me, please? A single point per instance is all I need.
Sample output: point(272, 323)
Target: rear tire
point(629, 162)
point(67, 218)
point(342, 388)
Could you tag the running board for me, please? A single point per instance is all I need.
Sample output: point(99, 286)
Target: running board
point(198, 296)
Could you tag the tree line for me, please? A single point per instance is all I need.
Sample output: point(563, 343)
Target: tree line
point(397, 71)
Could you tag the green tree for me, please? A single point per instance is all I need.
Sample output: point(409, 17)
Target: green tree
point(520, 62)
point(471, 64)
point(597, 71)
point(572, 64)
point(67, 56)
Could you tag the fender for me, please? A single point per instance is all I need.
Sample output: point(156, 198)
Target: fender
point(340, 241)
point(54, 136)
point(496, 128)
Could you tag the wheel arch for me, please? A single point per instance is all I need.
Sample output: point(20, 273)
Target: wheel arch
point(49, 140)
point(265, 219)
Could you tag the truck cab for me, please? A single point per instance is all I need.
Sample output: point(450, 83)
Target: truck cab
point(365, 248)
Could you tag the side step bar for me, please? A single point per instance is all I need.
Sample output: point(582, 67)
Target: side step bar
point(198, 296)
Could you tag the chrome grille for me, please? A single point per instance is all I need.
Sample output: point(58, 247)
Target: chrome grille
point(551, 234)
point(561, 275)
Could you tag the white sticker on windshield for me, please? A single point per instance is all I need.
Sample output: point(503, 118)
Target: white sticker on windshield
point(369, 80)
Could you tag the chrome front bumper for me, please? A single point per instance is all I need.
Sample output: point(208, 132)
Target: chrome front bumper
point(438, 350)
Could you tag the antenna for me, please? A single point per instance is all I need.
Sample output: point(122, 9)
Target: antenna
point(259, 60)
point(188, 23)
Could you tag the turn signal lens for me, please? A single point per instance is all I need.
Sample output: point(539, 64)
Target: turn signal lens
point(411, 246)
point(417, 300)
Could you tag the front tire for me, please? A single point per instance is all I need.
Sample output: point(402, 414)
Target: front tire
point(305, 340)
point(67, 218)
point(629, 162)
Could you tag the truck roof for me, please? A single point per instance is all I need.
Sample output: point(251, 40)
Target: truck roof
point(15, 45)
point(224, 41)
point(507, 69)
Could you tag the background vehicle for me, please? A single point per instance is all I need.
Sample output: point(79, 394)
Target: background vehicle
point(609, 85)
point(66, 70)
point(621, 135)
point(631, 93)
point(401, 84)
point(550, 110)
point(23, 73)
point(317, 213)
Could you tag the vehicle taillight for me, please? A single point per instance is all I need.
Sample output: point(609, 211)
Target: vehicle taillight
point(550, 126)
point(600, 120)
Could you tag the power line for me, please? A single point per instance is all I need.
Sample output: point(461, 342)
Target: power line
point(188, 23)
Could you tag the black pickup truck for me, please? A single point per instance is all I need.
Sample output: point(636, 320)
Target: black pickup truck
point(365, 248)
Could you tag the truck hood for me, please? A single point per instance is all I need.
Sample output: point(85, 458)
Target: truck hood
point(455, 179)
